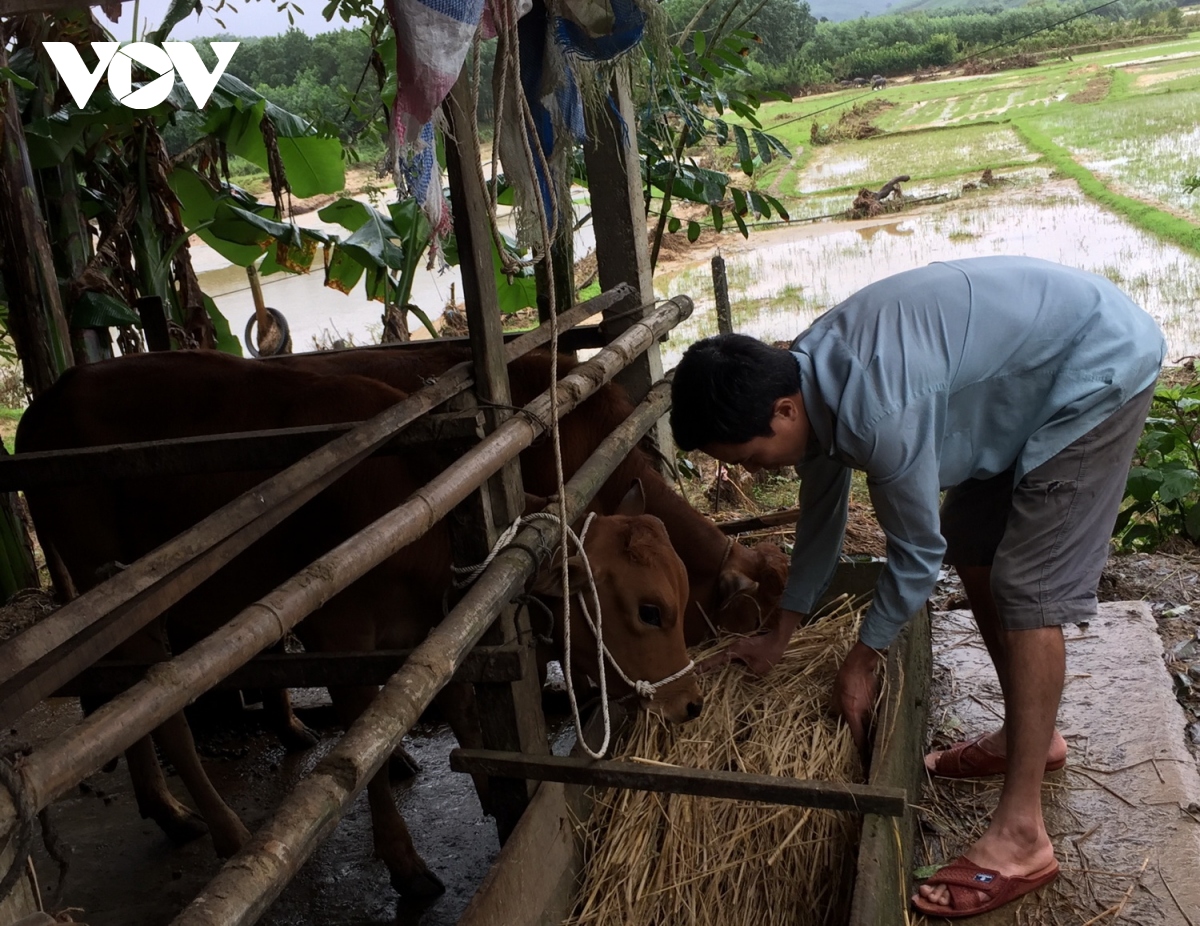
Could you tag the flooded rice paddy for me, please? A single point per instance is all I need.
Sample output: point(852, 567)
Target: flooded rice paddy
point(781, 281)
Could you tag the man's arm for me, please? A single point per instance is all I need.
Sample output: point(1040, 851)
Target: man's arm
point(824, 494)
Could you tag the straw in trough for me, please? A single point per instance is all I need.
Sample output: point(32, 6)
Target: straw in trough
point(659, 859)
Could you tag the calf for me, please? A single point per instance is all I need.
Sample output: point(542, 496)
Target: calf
point(641, 582)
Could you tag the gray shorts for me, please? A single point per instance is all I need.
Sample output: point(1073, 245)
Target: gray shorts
point(1046, 538)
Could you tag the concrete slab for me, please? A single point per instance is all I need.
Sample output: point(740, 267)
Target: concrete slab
point(1124, 815)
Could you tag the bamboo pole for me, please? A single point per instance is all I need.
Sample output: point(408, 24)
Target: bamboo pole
point(38, 661)
point(249, 882)
point(59, 764)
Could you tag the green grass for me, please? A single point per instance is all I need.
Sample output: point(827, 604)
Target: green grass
point(1165, 225)
point(1146, 143)
point(922, 155)
point(8, 425)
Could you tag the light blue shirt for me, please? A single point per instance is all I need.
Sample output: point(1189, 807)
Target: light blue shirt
point(954, 371)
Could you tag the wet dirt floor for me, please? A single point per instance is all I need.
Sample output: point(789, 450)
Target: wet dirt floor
point(1123, 815)
point(125, 872)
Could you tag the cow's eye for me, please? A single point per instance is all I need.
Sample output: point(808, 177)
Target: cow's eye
point(649, 614)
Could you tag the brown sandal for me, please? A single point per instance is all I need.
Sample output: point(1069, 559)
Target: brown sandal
point(969, 759)
point(963, 878)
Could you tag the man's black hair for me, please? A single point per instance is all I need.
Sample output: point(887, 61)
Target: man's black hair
point(725, 389)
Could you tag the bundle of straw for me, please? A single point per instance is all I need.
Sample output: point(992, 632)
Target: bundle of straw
point(664, 859)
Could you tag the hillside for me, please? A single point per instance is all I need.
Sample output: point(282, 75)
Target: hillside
point(838, 10)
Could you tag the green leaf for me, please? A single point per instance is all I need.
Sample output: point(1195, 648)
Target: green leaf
point(768, 146)
point(348, 213)
point(698, 42)
point(374, 244)
point(1142, 483)
point(199, 205)
point(518, 293)
point(718, 217)
point(343, 271)
point(100, 310)
point(777, 206)
point(1177, 484)
point(739, 201)
point(693, 231)
point(1192, 522)
point(741, 224)
point(745, 158)
point(314, 165)
point(759, 204)
point(714, 70)
point(673, 225)
point(923, 872)
point(226, 340)
point(23, 83)
point(177, 12)
point(241, 226)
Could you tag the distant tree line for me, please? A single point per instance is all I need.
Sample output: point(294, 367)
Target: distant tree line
point(332, 79)
point(798, 53)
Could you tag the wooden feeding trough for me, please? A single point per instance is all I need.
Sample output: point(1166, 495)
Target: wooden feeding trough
point(535, 878)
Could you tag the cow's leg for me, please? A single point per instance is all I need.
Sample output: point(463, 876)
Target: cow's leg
point(401, 765)
point(174, 738)
point(291, 730)
point(457, 703)
point(410, 875)
point(155, 800)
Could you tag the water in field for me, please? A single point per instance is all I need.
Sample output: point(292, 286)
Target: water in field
point(779, 282)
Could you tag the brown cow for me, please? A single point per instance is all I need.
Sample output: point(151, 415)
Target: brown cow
point(642, 583)
point(733, 587)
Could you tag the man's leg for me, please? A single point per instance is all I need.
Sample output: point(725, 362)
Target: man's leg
point(1016, 842)
point(977, 583)
point(1045, 573)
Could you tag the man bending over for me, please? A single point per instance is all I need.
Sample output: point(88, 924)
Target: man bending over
point(1018, 385)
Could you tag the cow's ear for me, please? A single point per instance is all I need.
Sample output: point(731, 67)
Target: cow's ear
point(535, 503)
point(634, 502)
point(732, 582)
point(548, 581)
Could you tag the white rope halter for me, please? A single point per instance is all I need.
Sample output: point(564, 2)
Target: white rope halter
point(643, 688)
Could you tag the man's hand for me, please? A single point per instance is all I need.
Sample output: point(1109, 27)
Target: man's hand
point(760, 652)
point(855, 690)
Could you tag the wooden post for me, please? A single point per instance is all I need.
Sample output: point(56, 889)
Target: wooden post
point(562, 260)
point(509, 713)
point(619, 220)
point(721, 290)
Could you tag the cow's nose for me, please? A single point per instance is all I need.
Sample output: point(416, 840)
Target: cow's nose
point(694, 708)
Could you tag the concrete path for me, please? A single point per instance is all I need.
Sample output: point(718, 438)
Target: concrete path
point(1124, 815)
